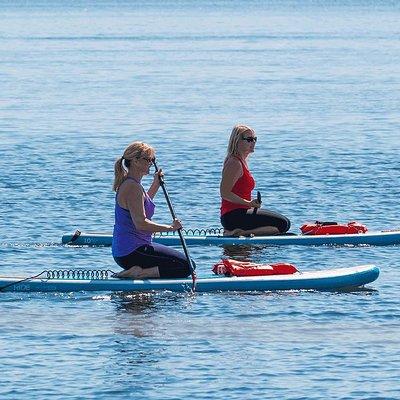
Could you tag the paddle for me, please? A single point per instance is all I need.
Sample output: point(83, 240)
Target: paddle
point(171, 209)
point(259, 200)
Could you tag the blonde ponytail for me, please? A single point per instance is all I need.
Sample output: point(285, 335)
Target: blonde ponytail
point(119, 174)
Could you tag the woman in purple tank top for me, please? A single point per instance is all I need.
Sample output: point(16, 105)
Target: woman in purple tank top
point(132, 245)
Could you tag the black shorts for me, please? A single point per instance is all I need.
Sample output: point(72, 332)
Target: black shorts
point(171, 263)
point(246, 220)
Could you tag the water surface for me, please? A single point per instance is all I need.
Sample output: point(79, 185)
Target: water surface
point(318, 80)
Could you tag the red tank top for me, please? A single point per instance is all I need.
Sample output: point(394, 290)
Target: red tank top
point(243, 187)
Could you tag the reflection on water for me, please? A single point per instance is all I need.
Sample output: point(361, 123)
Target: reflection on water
point(135, 303)
point(132, 314)
point(242, 252)
point(146, 314)
point(362, 290)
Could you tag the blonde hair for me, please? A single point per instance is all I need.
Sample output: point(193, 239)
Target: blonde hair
point(236, 135)
point(134, 150)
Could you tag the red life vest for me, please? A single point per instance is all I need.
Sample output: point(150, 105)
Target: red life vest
point(242, 268)
point(243, 187)
point(332, 228)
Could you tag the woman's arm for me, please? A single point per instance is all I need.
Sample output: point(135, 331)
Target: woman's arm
point(133, 197)
point(156, 184)
point(231, 172)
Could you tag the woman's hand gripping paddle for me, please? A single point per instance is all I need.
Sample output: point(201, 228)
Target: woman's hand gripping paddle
point(171, 209)
point(259, 200)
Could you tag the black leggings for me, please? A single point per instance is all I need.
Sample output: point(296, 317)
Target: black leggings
point(246, 220)
point(171, 263)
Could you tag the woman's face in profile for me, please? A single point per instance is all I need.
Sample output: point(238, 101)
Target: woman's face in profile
point(247, 142)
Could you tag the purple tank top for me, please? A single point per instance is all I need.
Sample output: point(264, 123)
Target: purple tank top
point(126, 238)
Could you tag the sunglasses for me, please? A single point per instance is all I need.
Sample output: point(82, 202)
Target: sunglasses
point(250, 139)
point(149, 160)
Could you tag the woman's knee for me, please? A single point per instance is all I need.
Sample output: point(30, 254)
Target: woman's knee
point(285, 225)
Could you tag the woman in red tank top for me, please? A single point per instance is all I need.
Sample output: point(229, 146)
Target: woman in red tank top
point(237, 207)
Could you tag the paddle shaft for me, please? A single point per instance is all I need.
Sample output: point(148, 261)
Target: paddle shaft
point(171, 209)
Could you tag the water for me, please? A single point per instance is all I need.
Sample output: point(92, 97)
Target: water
point(318, 80)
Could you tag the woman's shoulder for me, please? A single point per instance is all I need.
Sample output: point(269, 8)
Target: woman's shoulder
point(129, 186)
point(232, 168)
point(233, 162)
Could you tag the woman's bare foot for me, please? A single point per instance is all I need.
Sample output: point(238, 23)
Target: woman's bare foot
point(261, 231)
point(137, 272)
point(132, 273)
point(235, 232)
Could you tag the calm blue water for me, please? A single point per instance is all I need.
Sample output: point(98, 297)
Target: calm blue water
point(320, 83)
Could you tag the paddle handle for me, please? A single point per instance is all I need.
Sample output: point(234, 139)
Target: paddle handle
point(259, 200)
point(171, 209)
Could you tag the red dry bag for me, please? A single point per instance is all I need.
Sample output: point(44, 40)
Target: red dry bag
point(230, 267)
point(332, 228)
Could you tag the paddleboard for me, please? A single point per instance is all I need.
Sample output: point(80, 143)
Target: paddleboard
point(377, 238)
point(326, 280)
